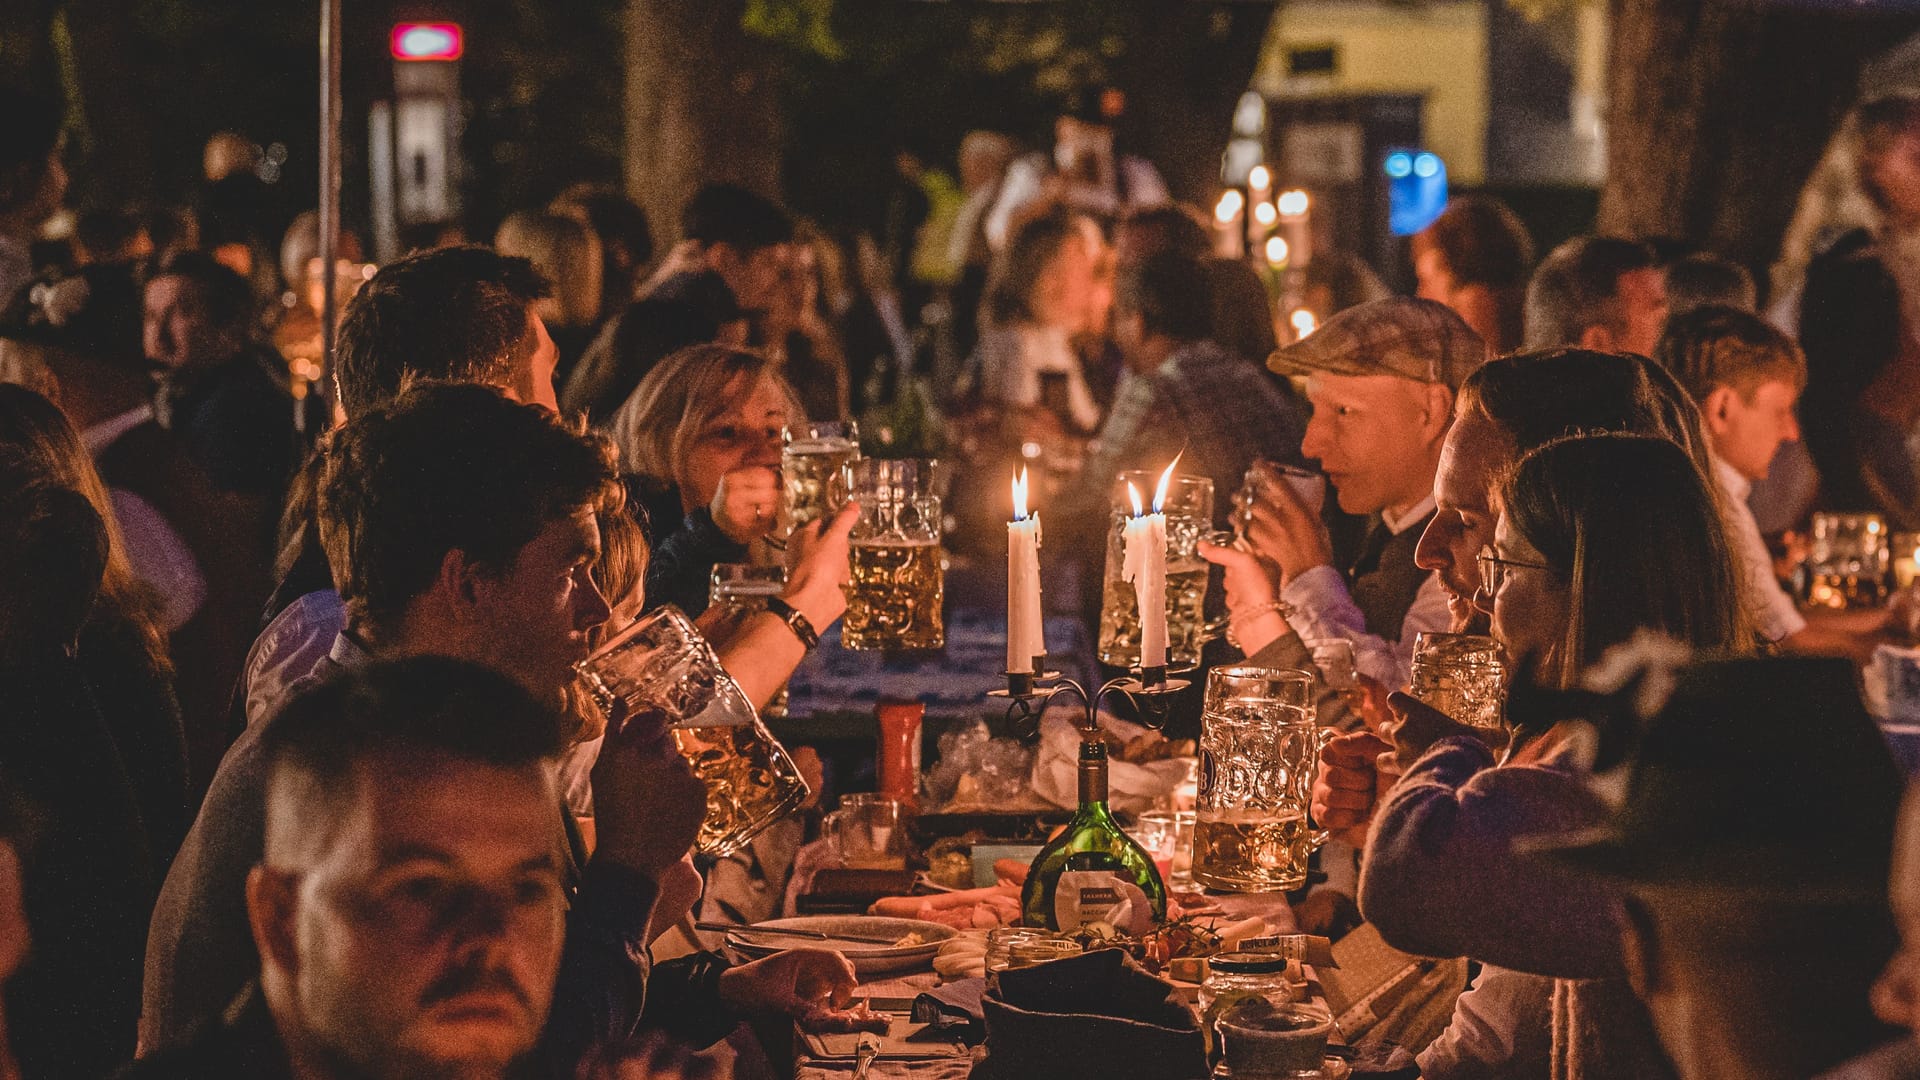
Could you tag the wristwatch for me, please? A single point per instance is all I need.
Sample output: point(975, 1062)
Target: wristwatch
point(796, 622)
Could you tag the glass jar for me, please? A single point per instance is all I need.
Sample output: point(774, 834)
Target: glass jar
point(1235, 977)
point(1000, 943)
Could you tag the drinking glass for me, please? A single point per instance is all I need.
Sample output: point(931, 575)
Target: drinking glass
point(1168, 837)
point(1308, 486)
point(898, 569)
point(1847, 561)
point(812, 462)
point(1463, 676)
point(1334, 658)
point(868, 832)
point(740, 590)
point(1259, 754)
point(662, 663)
point(1189, 511)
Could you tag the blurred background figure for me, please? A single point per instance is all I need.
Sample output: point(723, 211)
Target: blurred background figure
point(110, 236)
point(1475, 259)
point(626, 240)
point(716, 286)
point(33, 179)
point(798, 331)
point(1597, 292)
point(568, 254)
point(1704, 279)
point(1085, 172)
point(1046, 294)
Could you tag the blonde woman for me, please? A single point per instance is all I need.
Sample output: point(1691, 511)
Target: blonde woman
point(699, 443)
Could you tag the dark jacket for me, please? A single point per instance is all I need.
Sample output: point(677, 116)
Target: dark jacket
point(241, 1042)
point(86, 876)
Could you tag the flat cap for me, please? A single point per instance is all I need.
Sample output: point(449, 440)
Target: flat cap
point(1415, 339)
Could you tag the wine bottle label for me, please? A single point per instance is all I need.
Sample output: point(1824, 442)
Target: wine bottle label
point(1090, 896)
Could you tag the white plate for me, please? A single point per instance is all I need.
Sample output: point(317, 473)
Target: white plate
point(868, 959)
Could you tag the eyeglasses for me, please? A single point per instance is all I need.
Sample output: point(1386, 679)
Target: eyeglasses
point(1493, 570)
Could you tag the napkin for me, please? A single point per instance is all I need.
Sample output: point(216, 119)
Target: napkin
point(955, 1008)
point(1117, 1019)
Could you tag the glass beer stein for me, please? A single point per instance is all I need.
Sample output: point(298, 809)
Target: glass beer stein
point(741, 590)
point(1259, 754)
point(898, 569)
point(1189, 510)
point(812, 462)
point(661, 662)
point(1463, 676)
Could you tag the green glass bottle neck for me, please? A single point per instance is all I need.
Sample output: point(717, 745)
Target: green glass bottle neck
point(1093, 776)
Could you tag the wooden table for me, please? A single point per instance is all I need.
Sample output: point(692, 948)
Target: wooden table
point(1271, 906)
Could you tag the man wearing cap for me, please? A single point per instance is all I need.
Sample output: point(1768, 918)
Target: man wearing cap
point(1381, 379)
point(1754, 858)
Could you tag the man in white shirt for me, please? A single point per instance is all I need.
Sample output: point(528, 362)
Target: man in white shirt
point(1381, 378)
point(1746, 377)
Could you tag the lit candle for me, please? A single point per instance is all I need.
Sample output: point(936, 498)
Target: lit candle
point(1229, 238)
point(1296, 224)
point(1146, 567)
point(1026, 639)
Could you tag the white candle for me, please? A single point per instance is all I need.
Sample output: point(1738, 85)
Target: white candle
point(1146, 567)
point(1026, 638)
point(1296, 224)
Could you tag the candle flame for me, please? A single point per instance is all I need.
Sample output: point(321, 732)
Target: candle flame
point(1020, 495)
point(1264, 213)
point(1260, 178)
point(1160, 491)
point(1276, 250)
point(1292, 203)
point(1303, 323)
point(1134, 494)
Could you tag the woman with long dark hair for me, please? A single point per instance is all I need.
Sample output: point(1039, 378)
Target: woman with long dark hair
point(1599, 538)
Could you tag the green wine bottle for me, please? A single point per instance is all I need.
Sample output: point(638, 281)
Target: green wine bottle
point(1105, 869)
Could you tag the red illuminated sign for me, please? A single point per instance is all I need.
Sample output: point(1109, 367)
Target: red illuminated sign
point(427, 41)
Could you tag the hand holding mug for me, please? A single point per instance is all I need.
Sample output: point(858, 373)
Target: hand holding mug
point(745, 502)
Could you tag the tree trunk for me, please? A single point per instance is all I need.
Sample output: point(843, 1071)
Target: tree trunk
point(1185, 68)
point(1718, 112)
point(700, 106)
point(117, 139)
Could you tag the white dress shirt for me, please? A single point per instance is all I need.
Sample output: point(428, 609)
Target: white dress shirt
point(1323, 609)
point(1773, 612)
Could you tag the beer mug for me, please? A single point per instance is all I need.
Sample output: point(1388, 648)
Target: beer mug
point(740, 590)
point(1847, 561)
point(898, 570)
point(661, 662)
point(1189, 511)
point(1463, 676)
point(812, 460)
point(1259, 754)
point(868, 832)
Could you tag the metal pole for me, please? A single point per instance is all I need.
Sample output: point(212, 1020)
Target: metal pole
point(329, 186)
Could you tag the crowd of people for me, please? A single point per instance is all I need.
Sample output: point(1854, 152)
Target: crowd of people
point(296, 778)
